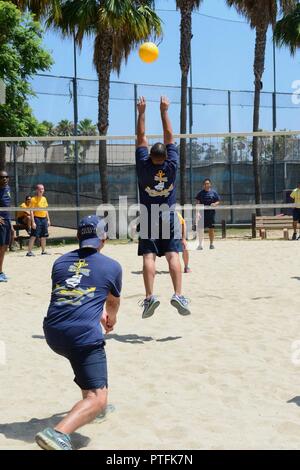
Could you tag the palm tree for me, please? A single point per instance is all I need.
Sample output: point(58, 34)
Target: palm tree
point(86, 127)
point(46, 128)
point(260, 14)
point(66, 128)
point(287, 30)
point(38, 7)
point(186, 8)
point(118, 27)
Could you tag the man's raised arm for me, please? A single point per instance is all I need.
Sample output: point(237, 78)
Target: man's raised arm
point(167, 126)
point(141, 137)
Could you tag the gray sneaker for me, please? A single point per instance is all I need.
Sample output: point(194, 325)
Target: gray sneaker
point(150, 305)
point(200, 247)
point(181, 304)
point(30, 253)
point(49, 439)
point(102, 416)
point(212, 247)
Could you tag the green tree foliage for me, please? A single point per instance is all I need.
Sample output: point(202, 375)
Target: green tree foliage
point(21, 56)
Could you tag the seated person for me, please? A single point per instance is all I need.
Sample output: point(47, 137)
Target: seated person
point(23, 217)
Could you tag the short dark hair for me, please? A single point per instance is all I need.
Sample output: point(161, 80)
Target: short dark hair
point(27, 197)
point(206, 179)
point(158, 150)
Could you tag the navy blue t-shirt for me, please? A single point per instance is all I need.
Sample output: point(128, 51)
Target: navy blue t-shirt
point(5, 201)
point(81, 282)
point(207, 198)
point(157, 183)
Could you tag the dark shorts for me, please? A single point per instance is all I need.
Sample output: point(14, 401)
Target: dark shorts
point(89, 365)
point(162, 244)
point(41, 230)
point(5, 233)
point(296, 215)
point(209, 220)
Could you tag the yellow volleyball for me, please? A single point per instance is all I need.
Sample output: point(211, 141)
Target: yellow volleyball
point(148, 52)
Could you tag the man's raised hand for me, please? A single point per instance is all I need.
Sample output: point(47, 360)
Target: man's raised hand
point(141, 105)
point(164, 103)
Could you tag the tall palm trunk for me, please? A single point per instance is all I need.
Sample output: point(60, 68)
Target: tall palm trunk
point(259, 67)
point(185, 57)
point(103, 62)
point(2, 156)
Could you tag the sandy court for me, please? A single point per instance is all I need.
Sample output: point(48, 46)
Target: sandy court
point(222, 378)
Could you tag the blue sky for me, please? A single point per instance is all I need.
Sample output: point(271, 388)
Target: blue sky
point(222, 58)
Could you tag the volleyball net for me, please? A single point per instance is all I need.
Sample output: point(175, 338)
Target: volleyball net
point(76, 171)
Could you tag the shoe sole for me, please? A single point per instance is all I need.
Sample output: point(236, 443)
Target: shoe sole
point(46, 443)
point(180, 309)
point(151, 310)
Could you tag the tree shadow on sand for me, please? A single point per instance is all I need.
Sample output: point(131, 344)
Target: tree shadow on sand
point(26, 430)
point(136, 339)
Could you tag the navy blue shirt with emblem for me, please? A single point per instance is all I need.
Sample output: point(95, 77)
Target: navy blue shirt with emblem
point(5, 201)
point(81, 282)
point(207, 198)
point(157, 183)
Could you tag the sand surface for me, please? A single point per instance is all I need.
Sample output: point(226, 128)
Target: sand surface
point(222, 378)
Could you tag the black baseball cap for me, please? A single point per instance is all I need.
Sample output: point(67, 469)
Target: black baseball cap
point(92, 231)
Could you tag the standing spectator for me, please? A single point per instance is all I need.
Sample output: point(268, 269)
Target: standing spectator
point(6, 230)
point(40, 220)
point(207, 197)
point(24, 217)
point(295, 195)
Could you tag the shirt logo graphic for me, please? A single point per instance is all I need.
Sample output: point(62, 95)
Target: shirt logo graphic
point(159, 189)
point(71, 292)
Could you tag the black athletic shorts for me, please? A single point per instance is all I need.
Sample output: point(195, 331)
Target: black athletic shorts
point(168, 236)
point(5, 233)
point(89, 365)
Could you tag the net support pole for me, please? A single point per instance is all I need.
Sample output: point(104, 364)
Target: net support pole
point(230, 158)
point(76, 153)
point(191, 142)
point(16, 176)
point(135, 100)
point(274, 113)
point(274, 151)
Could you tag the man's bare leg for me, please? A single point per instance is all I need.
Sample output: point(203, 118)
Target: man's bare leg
point(31, 243)
point(211, 233)
point(83, 412)
point(149, 273)
point(186, 259)
point(3, 250)
point(43, 244)
point(175, 271)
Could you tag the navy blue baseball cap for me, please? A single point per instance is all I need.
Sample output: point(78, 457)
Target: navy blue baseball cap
point(92, 231)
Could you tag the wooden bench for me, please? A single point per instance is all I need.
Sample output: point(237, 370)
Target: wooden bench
point(276, 222)
point(20, 238)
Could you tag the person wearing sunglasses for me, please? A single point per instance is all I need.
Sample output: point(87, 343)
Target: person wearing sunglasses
point(6, 230)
